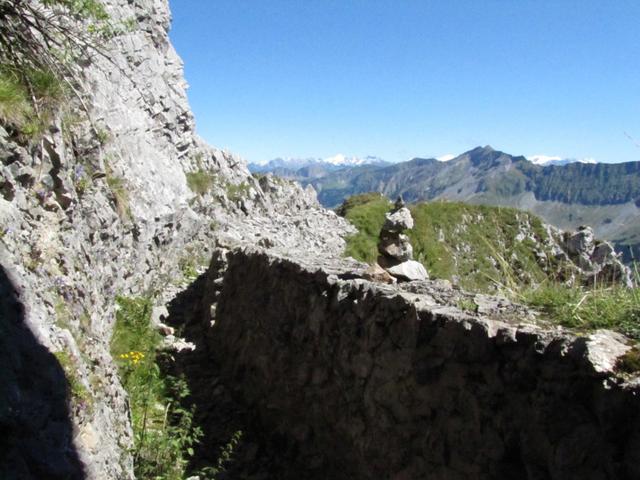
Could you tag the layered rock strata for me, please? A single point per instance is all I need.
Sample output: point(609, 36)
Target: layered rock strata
point(377, 381)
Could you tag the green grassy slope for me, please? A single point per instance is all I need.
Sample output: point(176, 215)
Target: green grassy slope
point(475, 245)
point(487, 249)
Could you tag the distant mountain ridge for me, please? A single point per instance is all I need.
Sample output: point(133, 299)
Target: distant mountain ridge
point(546, 160)
point(335, 162)
point(567, 195)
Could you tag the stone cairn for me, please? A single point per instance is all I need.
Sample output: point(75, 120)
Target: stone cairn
point(395, 262)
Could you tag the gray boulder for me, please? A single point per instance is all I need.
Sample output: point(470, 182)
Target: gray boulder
point(409, 271)
point(395, 245)
point(580, 243)
point(398, 221)
point(603, 252)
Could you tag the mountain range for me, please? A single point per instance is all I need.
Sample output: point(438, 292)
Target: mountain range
point(313, 167)
point(565, 193)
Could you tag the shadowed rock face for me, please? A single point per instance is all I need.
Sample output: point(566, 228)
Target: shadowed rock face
point(371, 381)
point(35, 421)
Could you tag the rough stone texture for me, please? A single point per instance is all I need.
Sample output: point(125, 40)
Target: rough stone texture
point(582, 259)
point(102, 207)
point(398, 220)
point(395, 245)
point(71, 240)
point(376, 273)
point(365, 380)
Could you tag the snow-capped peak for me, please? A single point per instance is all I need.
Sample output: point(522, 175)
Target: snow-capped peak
point(555, 160)
point(343, 161)
point(446, 157)
point(336, 161)
point(543, 159)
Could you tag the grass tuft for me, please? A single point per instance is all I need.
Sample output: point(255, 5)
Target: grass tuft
point(238, 191)
point(79, 395)
point(616, 308)
point(200, 181)
point(14, 103)
point(120, 190)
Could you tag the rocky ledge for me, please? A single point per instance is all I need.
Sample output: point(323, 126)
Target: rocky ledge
point(364, 380)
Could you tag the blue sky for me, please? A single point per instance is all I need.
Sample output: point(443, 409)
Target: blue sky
point(406, 78)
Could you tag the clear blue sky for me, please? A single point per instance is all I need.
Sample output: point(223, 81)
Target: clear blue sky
point(406, 78)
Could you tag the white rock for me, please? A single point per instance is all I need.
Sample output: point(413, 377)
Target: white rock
point(409, 270)
point(398, 221)
point(604, 347)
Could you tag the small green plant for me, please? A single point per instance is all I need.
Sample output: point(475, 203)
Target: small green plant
point(14, 103)
point(467, 304)
point(102, 135)
point(630, 361)
point(29, 99)
point(192, 261)
point(119, 189)
point(79, 394)
point(82, 185)
point(164, 434)
point(225, 457)
point(238, 191)
point(200, 181)
point(189, 271)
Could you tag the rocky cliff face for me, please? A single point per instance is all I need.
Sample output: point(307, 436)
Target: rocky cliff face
point(102, 206)
point(361, 380)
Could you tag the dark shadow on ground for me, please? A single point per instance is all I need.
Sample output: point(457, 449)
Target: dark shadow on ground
point(260, 454)
point(36, 431)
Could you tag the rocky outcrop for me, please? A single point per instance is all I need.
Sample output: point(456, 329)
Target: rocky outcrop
point(364, 380)
point(592, 262)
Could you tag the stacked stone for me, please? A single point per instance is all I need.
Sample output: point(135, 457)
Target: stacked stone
point(396, 252)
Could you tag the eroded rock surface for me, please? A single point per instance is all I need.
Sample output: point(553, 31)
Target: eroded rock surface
point(364, 380)
point(593, 262)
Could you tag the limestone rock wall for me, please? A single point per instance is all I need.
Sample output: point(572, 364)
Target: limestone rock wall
point(377, 381)
point(101, 206)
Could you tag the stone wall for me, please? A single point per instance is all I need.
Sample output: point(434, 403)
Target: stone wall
point(376, 381)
